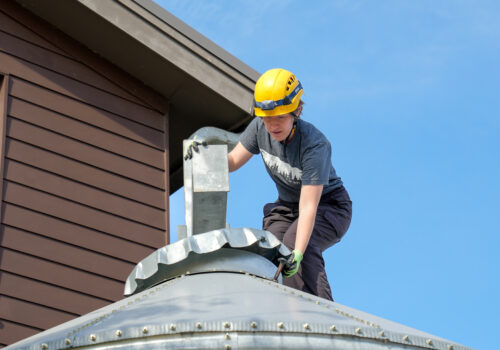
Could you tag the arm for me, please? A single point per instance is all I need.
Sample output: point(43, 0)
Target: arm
point(308, 205)
point(238, 157)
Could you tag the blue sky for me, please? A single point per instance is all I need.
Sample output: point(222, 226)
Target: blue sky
point(408, 92)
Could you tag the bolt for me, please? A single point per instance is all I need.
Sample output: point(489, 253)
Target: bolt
point(226, 325)
point(172, 327)
point(306, 326)
point(145, 330)
point(358, 330)
point(118, 333)
point(92, 337)
point(280, 325)
point(227, 336)
point(406, 338)
point(45, 346)
point(450, 347)
point(67, 341)
point(381, 333)
point(253, 325)
point(429, 341)
point(227, 347)
point(198, 325)
point(333, 328)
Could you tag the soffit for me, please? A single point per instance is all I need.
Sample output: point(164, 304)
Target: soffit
point(203, 83)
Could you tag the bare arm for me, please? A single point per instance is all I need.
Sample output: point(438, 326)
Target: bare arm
point(308, 205)
point(238, 157)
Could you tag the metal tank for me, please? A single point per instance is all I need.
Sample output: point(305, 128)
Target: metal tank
point(215, 290)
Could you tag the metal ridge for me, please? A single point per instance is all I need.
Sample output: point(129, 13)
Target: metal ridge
point(166, 263)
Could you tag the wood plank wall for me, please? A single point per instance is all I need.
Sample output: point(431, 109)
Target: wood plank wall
point(84, 185)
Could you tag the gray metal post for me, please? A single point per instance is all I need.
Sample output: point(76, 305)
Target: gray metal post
point(206, 183)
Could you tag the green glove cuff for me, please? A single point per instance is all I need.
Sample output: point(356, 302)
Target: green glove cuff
point(297, 259)
point(297, 256)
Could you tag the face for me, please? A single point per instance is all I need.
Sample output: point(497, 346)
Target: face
point(279, 126)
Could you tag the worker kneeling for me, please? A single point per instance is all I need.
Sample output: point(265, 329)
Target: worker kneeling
point(313, 210)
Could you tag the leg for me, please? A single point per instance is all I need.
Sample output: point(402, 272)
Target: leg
point(311, 277)
point(277, 220)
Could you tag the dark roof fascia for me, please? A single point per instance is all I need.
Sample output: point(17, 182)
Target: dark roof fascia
point(199, 39)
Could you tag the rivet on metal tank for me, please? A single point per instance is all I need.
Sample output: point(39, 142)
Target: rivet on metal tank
point(172, 327)
point(198, 325)
point(226, 325)
point(406, 338)
point(67, 341)
point(253, 325)
point(429, 342)
point(306, 326)
point(450, 347)
point(92, 337)
point(381, 333)
point(280, 325)
point(227, 347)
point(358, 330)
point(333, 328)
point(118, 333)
point(227, 336)
point(145, 330)
point(44, 346)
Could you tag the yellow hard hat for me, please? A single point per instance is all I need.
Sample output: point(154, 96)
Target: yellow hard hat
point(277, 92)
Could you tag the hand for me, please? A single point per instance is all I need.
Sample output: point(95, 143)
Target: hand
point(292, 263)
point(193, 146)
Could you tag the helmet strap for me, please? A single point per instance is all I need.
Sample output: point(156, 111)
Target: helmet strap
point(292, 131)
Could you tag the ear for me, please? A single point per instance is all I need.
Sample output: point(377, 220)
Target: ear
point(298, 111)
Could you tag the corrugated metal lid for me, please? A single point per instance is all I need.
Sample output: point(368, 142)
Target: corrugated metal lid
point(204, 253)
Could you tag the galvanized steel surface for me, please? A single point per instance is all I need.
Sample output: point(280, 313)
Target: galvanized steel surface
point(206, 183)
point(230, 311)
point(200, 253)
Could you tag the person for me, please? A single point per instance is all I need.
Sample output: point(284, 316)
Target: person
point(313, 210)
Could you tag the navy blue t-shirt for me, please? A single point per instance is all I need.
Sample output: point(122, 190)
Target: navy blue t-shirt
point(306, 160)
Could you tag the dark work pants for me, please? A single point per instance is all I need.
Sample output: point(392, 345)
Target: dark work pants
point(333, 218)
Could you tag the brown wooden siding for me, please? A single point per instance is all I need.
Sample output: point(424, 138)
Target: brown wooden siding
point(83, 159)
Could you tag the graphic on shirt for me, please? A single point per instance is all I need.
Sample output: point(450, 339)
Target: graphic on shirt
point(287, 172)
